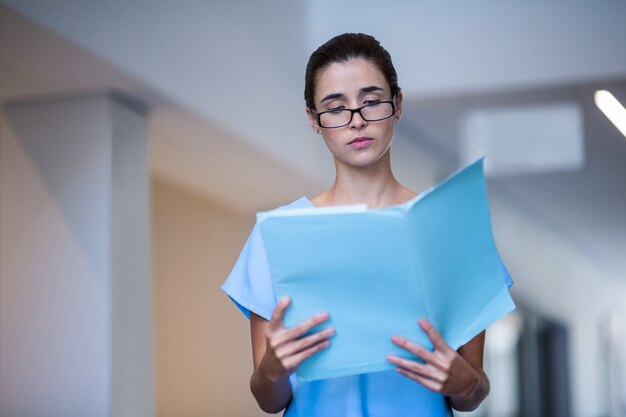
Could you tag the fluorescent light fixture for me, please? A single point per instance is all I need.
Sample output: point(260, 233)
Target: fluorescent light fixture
point(612, 109)
point(524, 139)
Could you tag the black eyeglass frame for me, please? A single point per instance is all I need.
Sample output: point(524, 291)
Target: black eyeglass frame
point(358, 110)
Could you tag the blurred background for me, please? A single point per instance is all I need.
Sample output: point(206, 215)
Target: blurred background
point(138, 139)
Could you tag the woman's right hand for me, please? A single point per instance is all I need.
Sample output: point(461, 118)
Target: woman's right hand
point(287, 348)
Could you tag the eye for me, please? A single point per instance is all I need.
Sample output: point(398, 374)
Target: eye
point(335, 109)
point(370, 102)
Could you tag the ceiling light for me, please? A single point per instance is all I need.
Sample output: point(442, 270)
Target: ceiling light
point(524, 139)
point(612, 109)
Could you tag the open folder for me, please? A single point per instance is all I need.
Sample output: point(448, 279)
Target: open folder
point(377, 271)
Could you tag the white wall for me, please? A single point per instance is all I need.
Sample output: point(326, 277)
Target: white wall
point(132, 338)
point(75, 297)
point(239, 64)
point(559, 279)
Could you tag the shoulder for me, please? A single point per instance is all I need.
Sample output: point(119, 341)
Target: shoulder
point(302, 202)
point(249, 284)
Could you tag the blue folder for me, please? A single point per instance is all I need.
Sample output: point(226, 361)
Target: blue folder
point(377, 271)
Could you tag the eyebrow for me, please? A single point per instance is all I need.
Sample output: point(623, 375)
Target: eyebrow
point(371, 89)
point(365, 90)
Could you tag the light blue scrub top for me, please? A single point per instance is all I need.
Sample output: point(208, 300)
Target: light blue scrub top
point(380, 394)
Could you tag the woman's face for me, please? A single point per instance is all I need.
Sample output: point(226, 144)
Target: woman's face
point(350, 85)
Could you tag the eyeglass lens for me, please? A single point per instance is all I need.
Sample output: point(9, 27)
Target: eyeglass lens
point(370, 113)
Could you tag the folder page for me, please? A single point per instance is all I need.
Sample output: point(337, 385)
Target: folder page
point(377, 271)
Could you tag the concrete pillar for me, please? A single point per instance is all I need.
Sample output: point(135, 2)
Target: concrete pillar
point(75, 279)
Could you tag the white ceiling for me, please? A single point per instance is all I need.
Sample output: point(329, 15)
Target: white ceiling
point(185, 147)
point(452, 47)
point(224, 84)
point(215, 73)
point(584, 206)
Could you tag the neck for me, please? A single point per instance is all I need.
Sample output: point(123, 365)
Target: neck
point(373, 185)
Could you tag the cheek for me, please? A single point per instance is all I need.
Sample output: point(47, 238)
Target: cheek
point(389, 131)
point(331, 137)
point(333, 145)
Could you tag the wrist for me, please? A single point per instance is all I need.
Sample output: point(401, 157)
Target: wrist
point(266, 374)
point(473, 387)
point(475, 392)
point(272, 393)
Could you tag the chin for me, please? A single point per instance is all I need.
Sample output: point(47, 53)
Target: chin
point(363, 162)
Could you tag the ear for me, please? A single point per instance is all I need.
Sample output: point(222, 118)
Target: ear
point(399, 105)
point(313, 121)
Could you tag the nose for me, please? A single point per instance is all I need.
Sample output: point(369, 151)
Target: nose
point(357, 122)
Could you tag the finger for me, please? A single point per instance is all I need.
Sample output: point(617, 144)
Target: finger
point(434, 336)
point(428, 383)
point(300, 345)
point(302, 328)
point(279, 312)
point(437, 359)
point(424, 370)
point(414, 348)
point(294, 361)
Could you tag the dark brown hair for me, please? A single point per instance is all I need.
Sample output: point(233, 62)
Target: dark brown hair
point(343, 48)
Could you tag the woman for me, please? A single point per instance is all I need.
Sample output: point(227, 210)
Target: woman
point(353, 101)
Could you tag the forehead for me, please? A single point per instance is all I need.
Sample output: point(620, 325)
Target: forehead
point(348, 78)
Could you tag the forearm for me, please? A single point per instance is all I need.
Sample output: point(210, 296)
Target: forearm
point(475, 394)
point(277, 352)
point(272, 396)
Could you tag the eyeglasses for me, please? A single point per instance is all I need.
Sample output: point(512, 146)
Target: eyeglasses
point(374, 112)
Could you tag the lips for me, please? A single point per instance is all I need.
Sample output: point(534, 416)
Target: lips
point(360, 142)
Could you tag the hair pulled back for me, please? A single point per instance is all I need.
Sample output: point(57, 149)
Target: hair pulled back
point(343, 48)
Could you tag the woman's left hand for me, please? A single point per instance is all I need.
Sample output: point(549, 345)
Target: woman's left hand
point(444, 370)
